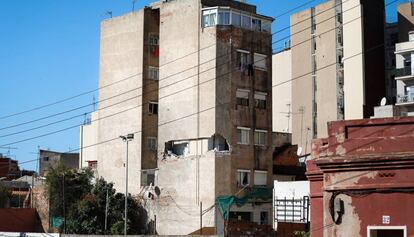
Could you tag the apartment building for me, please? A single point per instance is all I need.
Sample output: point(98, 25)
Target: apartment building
point(337, 48)
point(404, 55)
point(128, 100)
point(192, 80)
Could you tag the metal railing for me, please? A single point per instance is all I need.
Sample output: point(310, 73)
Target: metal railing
point(403, 72)
point(401, 98)
point(292, 210)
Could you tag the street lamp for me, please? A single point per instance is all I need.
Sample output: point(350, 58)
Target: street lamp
point(126, 139)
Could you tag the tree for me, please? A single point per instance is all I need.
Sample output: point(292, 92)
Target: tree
point(65, 188)
point(88, 216)
point(5, 195)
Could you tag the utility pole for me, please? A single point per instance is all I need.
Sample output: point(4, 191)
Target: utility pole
point(106, 209)
point(201, 218)
point(64, 206)
point(126, 139)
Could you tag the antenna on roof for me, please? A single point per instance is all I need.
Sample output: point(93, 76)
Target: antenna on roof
point(109, 13)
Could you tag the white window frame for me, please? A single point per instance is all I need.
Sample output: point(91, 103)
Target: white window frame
point(241, 171)
point(152, 143)
point(246, 55)
point(243, 94)
point(260, 64)
point(153, 73)
point(243, 129)
point(370, 228)
point(261, 132)
point(256, 172)
point(151, 110)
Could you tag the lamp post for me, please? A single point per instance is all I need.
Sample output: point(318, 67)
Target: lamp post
point(126, 139)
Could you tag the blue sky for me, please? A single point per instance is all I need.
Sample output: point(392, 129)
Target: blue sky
point(49, 50)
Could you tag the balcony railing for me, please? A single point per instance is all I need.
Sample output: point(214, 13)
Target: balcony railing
point(404, 98)
point(404, 72)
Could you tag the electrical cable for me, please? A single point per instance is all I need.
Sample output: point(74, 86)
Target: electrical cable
point(74, 126)
point(83, 114)
point(124, 79)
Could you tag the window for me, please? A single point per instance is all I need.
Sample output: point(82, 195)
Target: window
point(243, 178)
point(260, 137)
point(260, 178)
point(147, 178)
point(154, 39)
point(264, 217)
point(260, 99)
point(266, 26)
point(224, 17)
point(260, 61)
point(243, 135)
point(153, 73)
point(209, 18)
point(242, 97)
point(339, 17)
point(153, 107)
point(152, 143)
point(46, 158)
point(235, 19)
point(246, 22)
point(243, 60)
point(256, 24)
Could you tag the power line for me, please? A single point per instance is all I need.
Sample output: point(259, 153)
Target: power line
point(170, 84)
point(114, 83)
point(189, 88)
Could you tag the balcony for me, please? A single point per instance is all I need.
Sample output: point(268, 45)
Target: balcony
point(405, 47)
point(404, 99)
point(404, 73)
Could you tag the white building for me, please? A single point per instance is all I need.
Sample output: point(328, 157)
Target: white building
point(405, 76)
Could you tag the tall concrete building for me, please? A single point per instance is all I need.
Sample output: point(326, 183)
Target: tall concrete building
point(404, 54)
point(128, 99)
point(282, 91)
point(337, 48)
point(192, 80)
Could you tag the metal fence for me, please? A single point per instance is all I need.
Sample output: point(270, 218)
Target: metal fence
point(291, 210)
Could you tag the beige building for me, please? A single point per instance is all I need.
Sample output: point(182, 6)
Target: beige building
point(337, 48)
point(199, 105)
point(404, 55)
point(282, 91)
point(128, 99)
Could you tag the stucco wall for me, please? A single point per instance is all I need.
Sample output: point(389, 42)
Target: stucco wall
point(88, 141)
point(301, 78)
point(282, 92)
point(121, 57)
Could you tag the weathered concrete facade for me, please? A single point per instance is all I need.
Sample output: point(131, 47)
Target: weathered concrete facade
point(51, 159)
point(336, 47)
point(362, 179)
point(129, 50)
point(199, 110)
point(207, 115)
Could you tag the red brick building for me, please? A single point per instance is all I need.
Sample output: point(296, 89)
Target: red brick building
point(362, 179)
point(9, 168)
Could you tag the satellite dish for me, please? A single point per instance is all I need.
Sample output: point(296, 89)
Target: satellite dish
point(383, 101)
point(299, 152)
point(157, 190)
